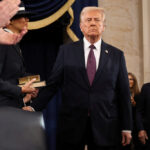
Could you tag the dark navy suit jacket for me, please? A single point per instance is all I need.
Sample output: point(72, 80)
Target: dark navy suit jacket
point(11, 68)
point(107, 100)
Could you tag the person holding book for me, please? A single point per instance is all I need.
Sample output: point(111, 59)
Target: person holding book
point(92, 75)
point(12, 66)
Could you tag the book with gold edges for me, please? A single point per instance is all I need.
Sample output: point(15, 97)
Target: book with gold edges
point(26, 79)
point(36, 83)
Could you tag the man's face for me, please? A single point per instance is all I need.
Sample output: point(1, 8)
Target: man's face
point(20, 23)
point(92, 24)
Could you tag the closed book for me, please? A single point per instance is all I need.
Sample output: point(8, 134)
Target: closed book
point(26, 79)
point(35, 84)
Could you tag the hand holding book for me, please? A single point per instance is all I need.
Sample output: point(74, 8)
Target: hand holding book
point(27, 87)
point(36, 83)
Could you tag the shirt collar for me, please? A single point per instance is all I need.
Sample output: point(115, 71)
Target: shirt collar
point(97, 44)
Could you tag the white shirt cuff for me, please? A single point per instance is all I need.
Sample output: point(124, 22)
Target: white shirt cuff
point(129, 131)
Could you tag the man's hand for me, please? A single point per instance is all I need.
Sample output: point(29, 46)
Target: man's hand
point(29, 97)
point(28, 108)
point(11, 38)
point(143, 136)
point(126, 138)
point(8, 8)
point(35, 93)
point(27, 88)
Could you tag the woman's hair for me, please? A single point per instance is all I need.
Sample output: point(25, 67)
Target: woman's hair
point(135, 88)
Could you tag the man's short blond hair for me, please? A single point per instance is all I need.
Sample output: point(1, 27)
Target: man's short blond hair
point(92, 8)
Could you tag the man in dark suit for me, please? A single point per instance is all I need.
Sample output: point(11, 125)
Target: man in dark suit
point(143, 117)
point(95, 107)
point(12, 66)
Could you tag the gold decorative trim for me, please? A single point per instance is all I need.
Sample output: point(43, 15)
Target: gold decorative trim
point(47, 21)
point(69, 31)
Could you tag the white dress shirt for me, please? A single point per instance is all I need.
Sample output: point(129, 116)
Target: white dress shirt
point(97, 51)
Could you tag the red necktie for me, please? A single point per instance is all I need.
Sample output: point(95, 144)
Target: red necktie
point(91, 64)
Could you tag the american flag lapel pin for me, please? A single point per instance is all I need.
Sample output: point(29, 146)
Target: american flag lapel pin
point(106, 51)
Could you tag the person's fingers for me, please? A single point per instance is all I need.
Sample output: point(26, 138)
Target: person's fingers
point(13, 12)
point(34, 94)
point(24, 108)
point(128, 139)
point(27, 108)
point(123, 140)
point(142, 136)
point(30, 82)
point(27, 88)
point(16, 2)
point(9, 9)
point(7, 38)
point(10, 39)
point(10, 5)
point(36, 90)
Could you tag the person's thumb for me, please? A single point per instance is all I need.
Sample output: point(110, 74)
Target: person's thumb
point(30, 82)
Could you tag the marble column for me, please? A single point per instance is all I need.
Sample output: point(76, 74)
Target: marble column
point(124, 30)
point(146, 39)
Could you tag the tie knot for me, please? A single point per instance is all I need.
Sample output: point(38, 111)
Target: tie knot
point(92, 47)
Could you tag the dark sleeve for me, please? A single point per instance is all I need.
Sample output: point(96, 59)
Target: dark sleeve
point(124, 96)
point(140, 106)
point(6, 87)
point(137, 97)
point(54, 83)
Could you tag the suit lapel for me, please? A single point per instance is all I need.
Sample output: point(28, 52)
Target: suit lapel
point(81, 60)
point(18, 51)
point(104, 56)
